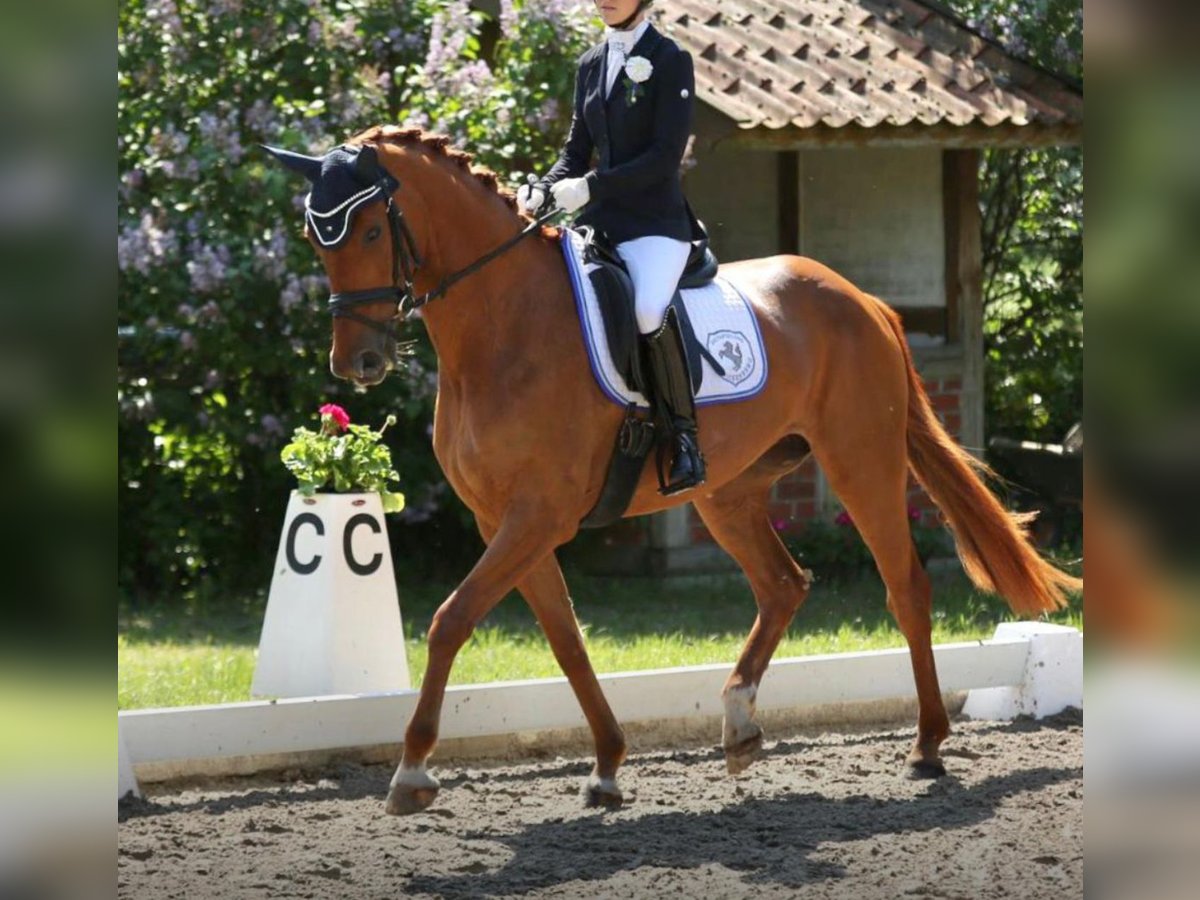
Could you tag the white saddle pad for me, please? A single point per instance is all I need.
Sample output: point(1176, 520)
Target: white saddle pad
point(721, 317)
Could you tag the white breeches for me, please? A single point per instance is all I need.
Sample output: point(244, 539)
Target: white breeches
point(655, 264)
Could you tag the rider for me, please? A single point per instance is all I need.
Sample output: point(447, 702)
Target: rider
point(633, 106)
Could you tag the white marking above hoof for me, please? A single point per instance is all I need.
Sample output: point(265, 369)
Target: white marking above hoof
point(414, 777)
point(739, 715)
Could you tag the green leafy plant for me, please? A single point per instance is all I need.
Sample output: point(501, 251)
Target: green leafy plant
point(834, 549)
point(342, 458)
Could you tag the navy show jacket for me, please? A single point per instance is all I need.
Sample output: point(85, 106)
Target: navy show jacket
point(635, 188)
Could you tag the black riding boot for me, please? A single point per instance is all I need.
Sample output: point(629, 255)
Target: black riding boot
point(673, 391)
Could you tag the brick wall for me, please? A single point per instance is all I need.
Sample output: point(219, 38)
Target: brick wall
point(796, 498)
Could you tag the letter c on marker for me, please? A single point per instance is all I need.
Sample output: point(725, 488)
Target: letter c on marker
point(290, 547)
point(348, 547)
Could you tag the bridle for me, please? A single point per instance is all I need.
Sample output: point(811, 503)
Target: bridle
point(406, 260)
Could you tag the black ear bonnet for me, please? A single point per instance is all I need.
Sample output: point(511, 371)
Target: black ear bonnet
point(344, 180)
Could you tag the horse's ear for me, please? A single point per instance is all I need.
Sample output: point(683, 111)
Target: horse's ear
point(308, 166)
point(367, 163)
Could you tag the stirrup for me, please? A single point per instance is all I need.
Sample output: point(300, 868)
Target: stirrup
point(687, 455)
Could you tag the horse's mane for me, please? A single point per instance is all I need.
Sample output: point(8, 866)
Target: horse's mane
point(440, 145)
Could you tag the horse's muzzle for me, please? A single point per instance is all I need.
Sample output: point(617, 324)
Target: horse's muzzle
point(368, 368)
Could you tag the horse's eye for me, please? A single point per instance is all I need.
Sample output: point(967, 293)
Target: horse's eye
point(373, 232)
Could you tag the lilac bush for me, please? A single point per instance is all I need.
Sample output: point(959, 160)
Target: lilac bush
point(221, 302)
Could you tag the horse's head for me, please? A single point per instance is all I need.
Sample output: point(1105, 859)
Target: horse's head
point(358, 230)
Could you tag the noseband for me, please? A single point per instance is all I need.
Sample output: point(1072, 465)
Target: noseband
point(406, 260)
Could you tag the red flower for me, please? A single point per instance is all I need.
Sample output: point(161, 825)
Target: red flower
point(843, 519)
point(334, 413)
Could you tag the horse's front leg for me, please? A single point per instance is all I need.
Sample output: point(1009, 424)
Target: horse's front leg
point(521, 541)
point(546, 593)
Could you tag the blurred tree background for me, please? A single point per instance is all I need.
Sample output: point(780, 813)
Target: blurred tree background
point(1033, 239)
point(222, 328)
point(222, 325)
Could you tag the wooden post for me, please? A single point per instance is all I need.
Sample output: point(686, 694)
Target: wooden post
point(789, 201)
point(964, 282)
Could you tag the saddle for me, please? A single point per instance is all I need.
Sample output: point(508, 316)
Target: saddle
point(614, 292)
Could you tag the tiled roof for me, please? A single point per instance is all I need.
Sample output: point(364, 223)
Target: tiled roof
point(829, 64)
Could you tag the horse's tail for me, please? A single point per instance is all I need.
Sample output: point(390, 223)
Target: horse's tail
point(992, 543)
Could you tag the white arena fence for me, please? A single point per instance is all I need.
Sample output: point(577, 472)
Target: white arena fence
point(1027, 668)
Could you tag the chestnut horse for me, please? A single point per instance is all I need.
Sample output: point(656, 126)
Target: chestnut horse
point(524, 435)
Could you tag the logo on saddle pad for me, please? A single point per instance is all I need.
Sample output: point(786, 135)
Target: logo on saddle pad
point(735, 352)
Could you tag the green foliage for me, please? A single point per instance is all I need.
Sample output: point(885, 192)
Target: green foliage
point(834, 549)
point(343, 461)
point(223, 333)
point(1033, 240)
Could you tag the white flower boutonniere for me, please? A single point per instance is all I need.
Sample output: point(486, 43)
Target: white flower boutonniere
point(637, 71)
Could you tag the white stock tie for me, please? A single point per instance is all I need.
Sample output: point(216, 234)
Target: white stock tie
point(616, 62)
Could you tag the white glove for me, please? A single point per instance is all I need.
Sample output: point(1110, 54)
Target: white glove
point(571, 193)
point(530, 198)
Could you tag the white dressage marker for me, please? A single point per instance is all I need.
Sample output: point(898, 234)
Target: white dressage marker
point(332, 624)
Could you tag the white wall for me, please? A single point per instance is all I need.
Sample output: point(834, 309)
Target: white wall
point(734, 192)
point(875, 216)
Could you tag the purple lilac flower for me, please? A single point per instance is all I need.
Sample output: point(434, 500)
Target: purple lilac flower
point(166, 14)
point(346, 31)
point(406, 42)
point(297, 289)
point(271, 425)
point(418, 118)
point(221, 133)
point(547, 113)
point(565, 17)
point(168, 141)
point(261, 118)
point(145, 245)
point(130, 182)
point(270, 256)
point(448, 33)
point(208, 266)
point(291, 295)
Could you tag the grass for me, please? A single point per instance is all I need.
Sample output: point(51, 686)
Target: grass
point(204, 651)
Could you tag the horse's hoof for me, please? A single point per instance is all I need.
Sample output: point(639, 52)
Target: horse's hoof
point(602, 792)
point(404, 801)
point(740, 756)
point(919, 768)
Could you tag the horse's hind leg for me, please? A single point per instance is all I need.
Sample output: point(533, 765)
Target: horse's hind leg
point(546, 593)
point(869, 473)
point(737, 516)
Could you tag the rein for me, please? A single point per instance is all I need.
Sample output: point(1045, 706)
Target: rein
point(406, 260)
